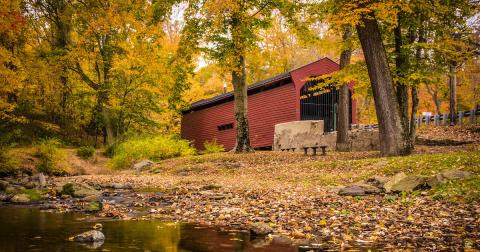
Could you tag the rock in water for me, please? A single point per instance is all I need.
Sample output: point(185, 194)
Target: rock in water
point(3, 196)
point(143, 165)
point(90, 236)
point(20, 198)
point(260, 229)
point(121, 186)
point(353, 190)
point(78, 190)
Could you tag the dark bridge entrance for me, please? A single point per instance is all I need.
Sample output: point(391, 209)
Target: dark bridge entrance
point(319, 102)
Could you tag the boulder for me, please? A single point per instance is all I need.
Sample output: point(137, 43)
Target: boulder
point(353, 190)
point(260, 242)
point(80, 191)
point(41, 180)
point(448, 175)
point(281, 240)
point(377, 181)
point(143, 165)
point(11, 189)
point(370, 189)
point(456, 174)
point(121, 186)
point(3, 185)
point(20, 198)
point(4, 196)
point(409, 184)
point(434, 180)
point(260, 229)
point(90, 236)
point(392, 181)
point(29, 185)
point(94, 206)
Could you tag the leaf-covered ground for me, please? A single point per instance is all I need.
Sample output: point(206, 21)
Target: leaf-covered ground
point(295, 195)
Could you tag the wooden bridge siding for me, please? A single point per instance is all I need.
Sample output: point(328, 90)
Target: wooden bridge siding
point(265, 109)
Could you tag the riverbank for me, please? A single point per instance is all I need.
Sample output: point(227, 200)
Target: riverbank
point(293, 196)
point(287, 196)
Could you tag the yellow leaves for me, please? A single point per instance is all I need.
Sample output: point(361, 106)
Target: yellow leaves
point(351, 12)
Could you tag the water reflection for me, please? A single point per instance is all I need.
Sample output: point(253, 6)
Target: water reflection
point(24, 229)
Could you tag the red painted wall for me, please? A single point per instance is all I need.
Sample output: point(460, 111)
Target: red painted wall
point(266, 108)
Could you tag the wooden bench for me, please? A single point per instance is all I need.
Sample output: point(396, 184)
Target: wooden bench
point(288, 149)
point(314, 148)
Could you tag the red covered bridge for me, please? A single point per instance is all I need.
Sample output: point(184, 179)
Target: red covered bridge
point(284, 98)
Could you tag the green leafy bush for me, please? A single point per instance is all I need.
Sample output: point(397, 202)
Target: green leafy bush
point(150, 147)
point(8, 163)
point(49, 157)
point(212, 147)
point(86, 152)
point(67, 189)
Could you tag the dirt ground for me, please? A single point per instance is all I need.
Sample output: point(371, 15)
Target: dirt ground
point(296, 196)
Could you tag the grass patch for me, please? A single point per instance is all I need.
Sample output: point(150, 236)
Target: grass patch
point(155, 148)
point(86, 152)
point(212, 147)
point(347, 171)
point(429, 164)
point(8, 163)
point(459, 190)
point(50, 157)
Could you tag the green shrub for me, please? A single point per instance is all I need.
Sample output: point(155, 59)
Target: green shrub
point(212, 147)
point(67, 189)
point(50, 157)
point(110, 151)
point(8, 163)
point(86, 152)
point(150, 147)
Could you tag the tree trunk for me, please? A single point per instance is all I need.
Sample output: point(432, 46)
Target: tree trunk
point(414, 91)
point(242, 143)
point(435, 99)
point(386, 104)
point(401, 63)
point(452, 83)
point(343, 103)
point(413, 124)
point(108, 126)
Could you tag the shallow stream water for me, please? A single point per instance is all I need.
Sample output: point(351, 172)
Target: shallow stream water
point(29, 229)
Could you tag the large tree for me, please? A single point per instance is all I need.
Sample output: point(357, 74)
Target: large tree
point(344, 94)
point(228, 31)
point(418, 32)
point(386, 104)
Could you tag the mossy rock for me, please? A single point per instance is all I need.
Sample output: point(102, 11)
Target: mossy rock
point(94, 206)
